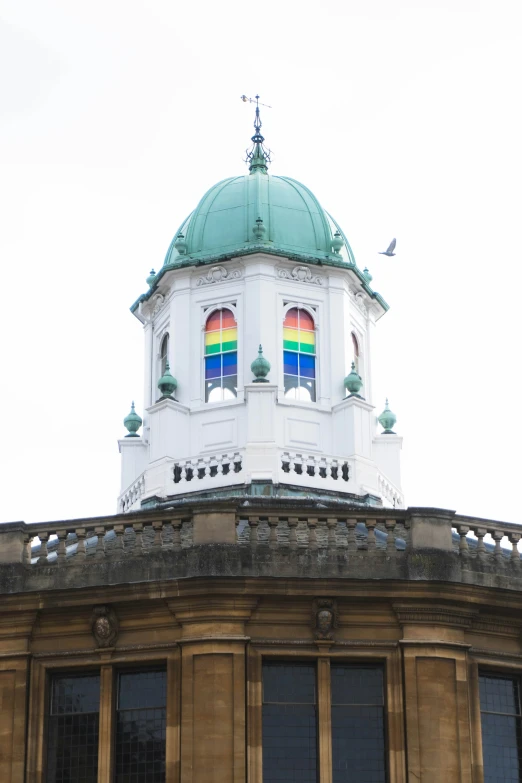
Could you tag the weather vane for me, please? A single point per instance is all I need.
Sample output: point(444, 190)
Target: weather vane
point(258, 156)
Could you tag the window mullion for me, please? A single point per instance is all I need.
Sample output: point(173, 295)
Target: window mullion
point(105, 743)
point(324, 705)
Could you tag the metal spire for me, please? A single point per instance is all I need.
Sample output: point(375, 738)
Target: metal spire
point(258, 157)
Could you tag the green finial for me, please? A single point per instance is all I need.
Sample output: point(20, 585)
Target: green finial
point(366, 274)
point(337, 242)
point(167, 384)
point(151, 278)
point(260, 367)
point(180, 244)
point(259, 230)
point(258, 158)
point(132, 422)
point(353, 382)
point(387, 420)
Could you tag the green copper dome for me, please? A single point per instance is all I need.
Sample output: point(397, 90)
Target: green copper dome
point(226, 222)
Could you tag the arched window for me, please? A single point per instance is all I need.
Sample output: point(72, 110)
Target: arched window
point(220, 356)
point(299, 355)
point(355, 352)
point(164, 354)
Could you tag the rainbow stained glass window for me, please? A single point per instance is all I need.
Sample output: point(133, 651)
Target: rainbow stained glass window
point(220, 356)
point(299, 355)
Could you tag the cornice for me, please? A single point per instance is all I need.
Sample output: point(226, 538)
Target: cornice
point(454, 616)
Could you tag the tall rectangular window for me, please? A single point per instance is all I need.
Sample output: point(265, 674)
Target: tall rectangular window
point(501, 728)
point(141, 727)
point(72, 740)
point(358, 747)
point(289, 723)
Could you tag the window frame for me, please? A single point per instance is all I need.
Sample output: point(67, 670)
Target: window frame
point(388, 657)
point(40, 692)
point(165, 337)
point(207, 312)
point(484, 665)
point(313, 311)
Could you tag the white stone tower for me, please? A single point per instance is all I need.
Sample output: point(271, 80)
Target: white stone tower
point(259, 263)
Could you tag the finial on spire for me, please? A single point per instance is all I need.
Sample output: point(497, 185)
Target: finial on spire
point(258, 157)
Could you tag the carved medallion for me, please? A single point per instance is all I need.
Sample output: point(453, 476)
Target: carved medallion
point(300, 273)
point(104, 626)
point(324, 618)
point(219, 274)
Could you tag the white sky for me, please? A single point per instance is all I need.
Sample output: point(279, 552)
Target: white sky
point(402, 116)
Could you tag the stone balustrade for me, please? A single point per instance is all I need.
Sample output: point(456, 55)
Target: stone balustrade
point(258, 527)
point(133, 494)
point(488, 540)
point(201, 469)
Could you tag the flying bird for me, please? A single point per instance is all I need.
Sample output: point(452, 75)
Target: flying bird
point(390, 250)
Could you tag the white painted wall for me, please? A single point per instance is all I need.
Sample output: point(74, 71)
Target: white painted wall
point(261, 424)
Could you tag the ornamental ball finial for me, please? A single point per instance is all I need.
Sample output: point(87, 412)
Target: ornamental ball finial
point(167, 384)
point(353, 382)
point(387, 420)
point(132, 422)
point(260, 367)
point(366, 274)
point(151, 278)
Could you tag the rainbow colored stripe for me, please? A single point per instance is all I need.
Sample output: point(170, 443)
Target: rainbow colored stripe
point(220, 333)
point(220, 345)
point(299, 332)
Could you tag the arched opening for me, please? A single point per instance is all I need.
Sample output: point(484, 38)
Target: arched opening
point(220, 356)
point(299, 355)
point(355, 345)
point(164, 353)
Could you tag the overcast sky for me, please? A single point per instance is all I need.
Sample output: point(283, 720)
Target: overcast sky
point(402, 116)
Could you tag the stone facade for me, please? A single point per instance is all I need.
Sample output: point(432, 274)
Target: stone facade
point(213, 590)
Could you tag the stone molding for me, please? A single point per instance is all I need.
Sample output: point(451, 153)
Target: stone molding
point(456, 617)
point(219, 274)
point(301, 274)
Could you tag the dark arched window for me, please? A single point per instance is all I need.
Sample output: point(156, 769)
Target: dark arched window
point(220, 356)
point(299, 355)
point(164, 353)
point(355, 345)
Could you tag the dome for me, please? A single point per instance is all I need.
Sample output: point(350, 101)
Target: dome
point(259, 211)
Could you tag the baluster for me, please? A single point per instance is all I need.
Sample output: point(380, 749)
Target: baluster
point(391, 548)
point(27, 549)
point(81, 533)
point(157, 526)
point(119, 531)
point(292, 532)
point(44, 537)
point(463, 530)
point(100, 544)
point(515, 554)
point(61, 551)
point(176, 534)
point(219, 464)
point(481, 547)
point(332, 527)
point(328, 467)
point(238, 520)
point(253, 524)
point(312, 533)
point(138, 543)
point(291, 463)
point(370, 527)
point(350, 538)
point(498, 535)
point(272, 538)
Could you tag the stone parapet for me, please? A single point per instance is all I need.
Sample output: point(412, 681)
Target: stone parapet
point(271, 537)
